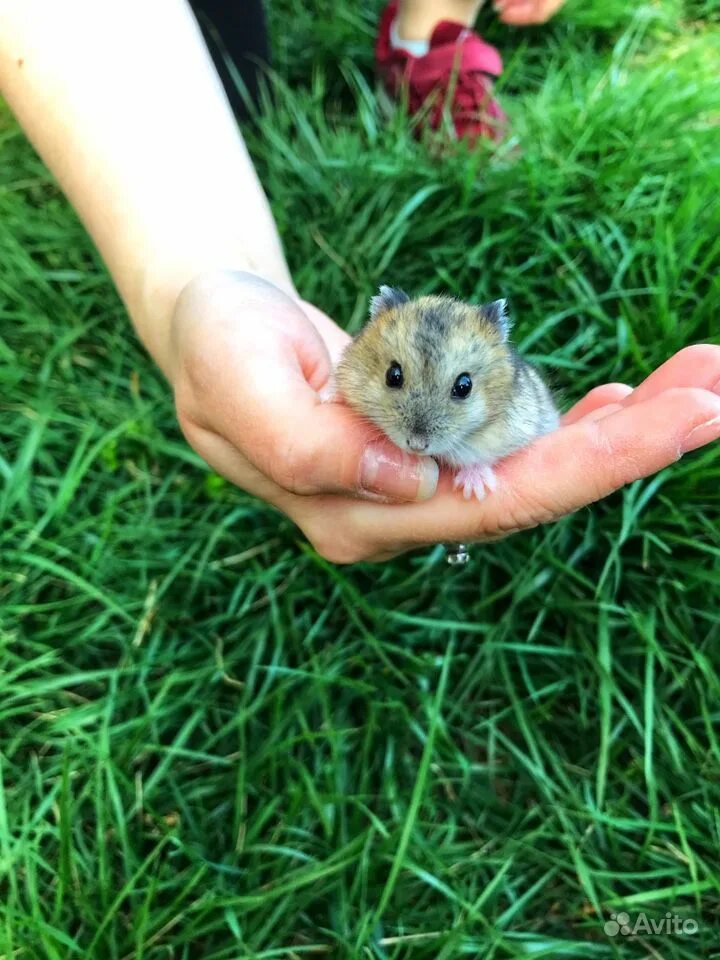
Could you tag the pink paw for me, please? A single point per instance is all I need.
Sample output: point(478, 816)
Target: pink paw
point(477, 479)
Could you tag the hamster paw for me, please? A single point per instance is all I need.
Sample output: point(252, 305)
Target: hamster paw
point(478, 479)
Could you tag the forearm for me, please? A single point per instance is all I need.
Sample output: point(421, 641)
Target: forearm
point(123, 103)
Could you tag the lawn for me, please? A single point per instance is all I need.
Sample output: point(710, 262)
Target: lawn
point(216, 745)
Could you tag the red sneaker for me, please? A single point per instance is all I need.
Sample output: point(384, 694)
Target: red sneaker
point(455, 75)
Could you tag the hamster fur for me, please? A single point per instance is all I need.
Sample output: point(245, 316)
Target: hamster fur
point(440, 379)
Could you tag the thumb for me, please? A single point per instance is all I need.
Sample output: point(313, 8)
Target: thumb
point(317, 448)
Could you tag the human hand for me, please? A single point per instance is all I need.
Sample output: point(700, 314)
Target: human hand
point(523, 13)
point(248, 365)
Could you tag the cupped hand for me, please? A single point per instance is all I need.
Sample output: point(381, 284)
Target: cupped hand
point(523, 13)
point(250, 364)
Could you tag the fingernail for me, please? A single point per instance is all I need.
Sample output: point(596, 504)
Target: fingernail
point(390, 472)
point(699, 436)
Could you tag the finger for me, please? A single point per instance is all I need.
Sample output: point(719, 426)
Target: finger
point(556, 475)
point(519, 12)
point(592, 459)
point(601, 412)
point(325, 448)
point(608, 393)
point(526, 12)
point(696, 366)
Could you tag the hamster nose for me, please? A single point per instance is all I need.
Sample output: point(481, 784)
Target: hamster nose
point(418, 444)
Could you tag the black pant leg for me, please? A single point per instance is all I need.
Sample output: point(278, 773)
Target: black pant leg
point(238, 29)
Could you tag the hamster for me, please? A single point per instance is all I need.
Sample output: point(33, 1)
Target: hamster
point(440, 379)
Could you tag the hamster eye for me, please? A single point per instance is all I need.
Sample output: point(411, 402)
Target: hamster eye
point(461, 387)
point(394, 376)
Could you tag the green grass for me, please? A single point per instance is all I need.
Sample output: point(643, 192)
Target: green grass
point(216, 745)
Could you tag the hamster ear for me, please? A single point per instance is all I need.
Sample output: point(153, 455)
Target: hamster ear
point(386, 299)
point(496, 313)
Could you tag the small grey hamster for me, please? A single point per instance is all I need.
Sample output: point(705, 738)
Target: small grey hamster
point(440, 379)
